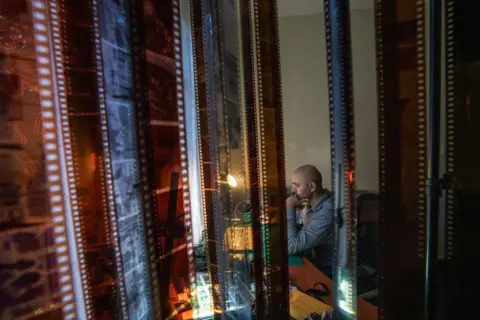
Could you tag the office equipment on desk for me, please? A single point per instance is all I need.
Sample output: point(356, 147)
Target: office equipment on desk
point(302, 305)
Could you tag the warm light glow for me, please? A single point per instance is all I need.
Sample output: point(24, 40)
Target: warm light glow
point(232, 182)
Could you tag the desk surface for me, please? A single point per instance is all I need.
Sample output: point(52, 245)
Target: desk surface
point(305, 277)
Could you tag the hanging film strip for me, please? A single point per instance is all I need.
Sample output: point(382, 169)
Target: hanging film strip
point(159, 71)
point(38, 276)
point(224, 178)
point(270, 156)
point(339, 62)
point(206, 161)
point(248, 53)
point(115, 86)
point(97, 248)
point(450, 166)
point(201, 35)
point(400, 40)
point(145, 149)
point(462, 75)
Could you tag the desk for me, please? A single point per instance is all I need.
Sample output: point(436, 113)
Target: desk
point(305, 277)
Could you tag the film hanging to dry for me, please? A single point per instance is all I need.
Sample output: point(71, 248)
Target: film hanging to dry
point(400, 41)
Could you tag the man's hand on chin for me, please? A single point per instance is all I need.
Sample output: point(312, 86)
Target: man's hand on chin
point(293, 202)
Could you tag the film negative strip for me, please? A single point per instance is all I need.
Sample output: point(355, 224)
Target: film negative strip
point(145, 150)
point(221, 130)
point(207, 180)
point(248, 53)
point(462, 57)
point(38, 273)
point(159, 38)
point(271, 156)
point(451, 205)
point(339, 62)
point(400, 39)
point(98, 263)
point(115, 85)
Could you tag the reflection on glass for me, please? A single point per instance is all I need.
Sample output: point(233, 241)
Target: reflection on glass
point(226, 203)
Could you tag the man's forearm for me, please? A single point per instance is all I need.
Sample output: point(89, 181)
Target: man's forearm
point(292, 231)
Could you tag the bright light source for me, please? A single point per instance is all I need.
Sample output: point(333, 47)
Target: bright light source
point(231, 181)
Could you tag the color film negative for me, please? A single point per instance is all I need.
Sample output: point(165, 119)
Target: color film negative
point(37, 273)
point(462, 62)
point(160, 73)
point(400, 39)
point(98, 262)
point(339, 62)
point(271, 156)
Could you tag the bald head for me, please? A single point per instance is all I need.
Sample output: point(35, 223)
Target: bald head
point(307, 181)
point(309, 173)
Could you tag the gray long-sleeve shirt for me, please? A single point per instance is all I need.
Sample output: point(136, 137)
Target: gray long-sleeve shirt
point(315, 237)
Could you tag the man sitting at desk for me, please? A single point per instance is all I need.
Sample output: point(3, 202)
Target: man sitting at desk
point(313, 235)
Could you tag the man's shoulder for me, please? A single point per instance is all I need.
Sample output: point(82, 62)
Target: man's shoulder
point(323, 214)
point(326, 204)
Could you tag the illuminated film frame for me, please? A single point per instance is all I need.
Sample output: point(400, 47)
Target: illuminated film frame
point(47, 29)
point(401, 78)
point(44, 19)
point(339, 62)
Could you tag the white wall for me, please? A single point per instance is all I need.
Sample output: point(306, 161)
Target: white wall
point(305, 95)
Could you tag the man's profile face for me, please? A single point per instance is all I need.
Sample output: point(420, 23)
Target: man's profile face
point(301, 187)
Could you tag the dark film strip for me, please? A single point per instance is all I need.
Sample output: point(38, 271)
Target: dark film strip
point(400, 37)
point(99, 269)
point(339, 62)
point(271, 157)
point(451, 206)
point(462, 63)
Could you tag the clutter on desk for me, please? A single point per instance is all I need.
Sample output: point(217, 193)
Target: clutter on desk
point(302, 305)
